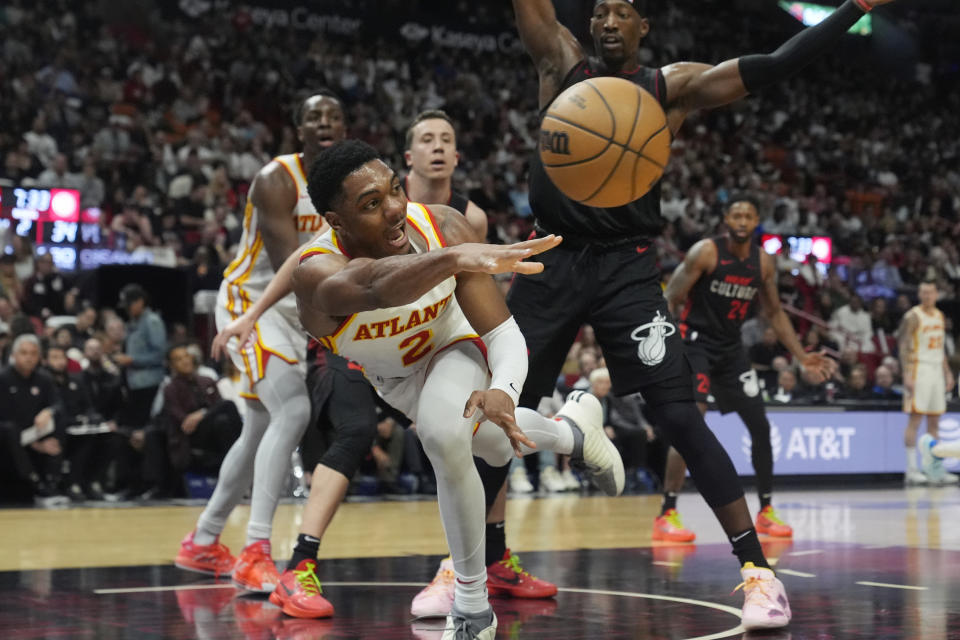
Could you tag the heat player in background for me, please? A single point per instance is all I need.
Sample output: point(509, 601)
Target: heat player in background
point(718, 286)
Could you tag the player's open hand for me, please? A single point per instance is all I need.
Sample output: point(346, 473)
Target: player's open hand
point(241, 329)
point(503, 258)
point(498, 408)
point(818, 367)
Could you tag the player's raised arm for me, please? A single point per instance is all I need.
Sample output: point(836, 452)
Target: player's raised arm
point(700, 260)
point(692, 86)
point(551, 45)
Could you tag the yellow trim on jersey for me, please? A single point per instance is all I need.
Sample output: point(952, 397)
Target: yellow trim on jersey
point(233, 266)
point(341, 328)
point(313, 251)
point(283, 163)
point(431, 222)
point(248, 396)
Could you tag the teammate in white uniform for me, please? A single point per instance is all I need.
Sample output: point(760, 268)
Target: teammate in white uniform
point(279, 217)
point(401, 290)
point(926, 380)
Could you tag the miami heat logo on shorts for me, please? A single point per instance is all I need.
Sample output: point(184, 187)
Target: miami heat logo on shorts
point(652, 347)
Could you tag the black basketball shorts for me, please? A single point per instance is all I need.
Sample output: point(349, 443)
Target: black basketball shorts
point(724, 373)
point(617, 291)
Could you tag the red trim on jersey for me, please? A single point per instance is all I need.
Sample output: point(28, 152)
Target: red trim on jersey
point(300, 162)
point(418, 230)
point(336, 241)
point(436, 227)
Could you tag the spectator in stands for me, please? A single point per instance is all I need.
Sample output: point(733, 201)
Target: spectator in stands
point(29, 397)
point(883, 385)
point(92, 189)
point(10, 286)
point(58, 175)
point(86, 452)
point(879, 316)
point(851, 326)
point(7, 309)
point(144, 355)
point(856, 387)
point(786, 391)
point(43, 292)
point(102, 378)
point(131, 228)
point(200, 425)
point(41, 144)
point(84, 326)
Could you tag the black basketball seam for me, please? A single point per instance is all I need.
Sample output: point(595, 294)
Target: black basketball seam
point(652, 136)
point(623, 152)
point(594, 133)
point(633, 172)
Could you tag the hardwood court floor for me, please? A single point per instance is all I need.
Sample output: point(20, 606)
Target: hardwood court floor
point(863, 564)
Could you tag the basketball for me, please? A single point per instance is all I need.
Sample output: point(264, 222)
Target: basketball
point(604, 142)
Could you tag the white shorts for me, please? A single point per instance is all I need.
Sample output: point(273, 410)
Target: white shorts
point(276, 336)
point(403, 394)
point(929, 395)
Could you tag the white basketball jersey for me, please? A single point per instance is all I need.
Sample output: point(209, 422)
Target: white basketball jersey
point(395, 342)
point(928, 336)
point(248, 275)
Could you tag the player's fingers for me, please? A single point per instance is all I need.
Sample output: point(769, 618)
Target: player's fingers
point(527, 268)
point(539, 245)
point(519, 438)
point(216, 347)
point(473, 403)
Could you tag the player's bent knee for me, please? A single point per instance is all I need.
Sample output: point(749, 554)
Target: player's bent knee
point(350, 447)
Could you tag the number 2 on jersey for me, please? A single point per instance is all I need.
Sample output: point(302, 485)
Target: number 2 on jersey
point(935, 343)
point(738, 308)
point(420, 345)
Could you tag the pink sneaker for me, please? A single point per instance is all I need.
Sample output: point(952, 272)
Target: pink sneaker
point(436, 599)
point(766, 605)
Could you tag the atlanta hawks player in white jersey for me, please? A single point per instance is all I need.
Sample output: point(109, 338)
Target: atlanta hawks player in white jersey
point(926, 378)
point(279, 217)
point(400, 289)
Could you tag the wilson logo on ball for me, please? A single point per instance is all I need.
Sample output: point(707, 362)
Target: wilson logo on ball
point(555, 142)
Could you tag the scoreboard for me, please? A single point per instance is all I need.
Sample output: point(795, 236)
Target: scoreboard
point(52, 220)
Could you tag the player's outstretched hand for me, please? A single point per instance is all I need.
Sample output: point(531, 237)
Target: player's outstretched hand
point(241, 329)
point(503, 258)
point(498, 408)
point(818, 366)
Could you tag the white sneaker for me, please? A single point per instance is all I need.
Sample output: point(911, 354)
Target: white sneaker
point(570, 481)
point(947, 478)
point(914, 477)
point(593, 451)
point(930, 464)
point(765, 605)
point(519, 482)
point(551, 481)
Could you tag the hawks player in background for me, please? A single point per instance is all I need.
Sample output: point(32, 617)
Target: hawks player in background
point(926, 379)
point(606, 275)
point(279, 218)
point(717, 287)
point(402, 290)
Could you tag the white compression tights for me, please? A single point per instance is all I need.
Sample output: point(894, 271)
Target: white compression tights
point(272, 429)
point(450, 444)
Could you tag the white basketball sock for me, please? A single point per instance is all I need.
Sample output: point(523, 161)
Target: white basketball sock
point(912, 460)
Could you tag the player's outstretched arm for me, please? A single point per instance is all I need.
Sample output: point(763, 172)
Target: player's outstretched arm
point(818, 365)
point(333, 285)
point(701, 259)
point(552, 47)
point(692, 86)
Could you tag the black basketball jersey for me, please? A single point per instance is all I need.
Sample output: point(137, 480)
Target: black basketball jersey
point(720, 302)
point(457, 200)
point(556, 213)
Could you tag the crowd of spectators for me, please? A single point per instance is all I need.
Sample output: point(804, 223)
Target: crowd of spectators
point(161, 122)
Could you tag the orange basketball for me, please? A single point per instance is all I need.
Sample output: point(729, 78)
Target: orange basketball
point(604, 142)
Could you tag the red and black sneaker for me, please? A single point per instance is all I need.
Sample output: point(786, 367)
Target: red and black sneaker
point(300, 594)
point(508, 578)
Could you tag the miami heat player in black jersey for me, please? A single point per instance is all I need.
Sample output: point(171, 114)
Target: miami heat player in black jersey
point(719, 284)
point(605, 272)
